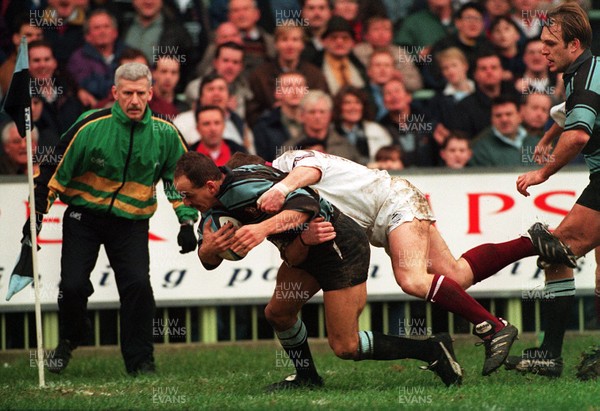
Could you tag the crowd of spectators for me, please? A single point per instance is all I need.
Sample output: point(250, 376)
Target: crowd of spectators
point(389, 84)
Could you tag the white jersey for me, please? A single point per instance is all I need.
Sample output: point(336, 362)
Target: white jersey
point(370, 197)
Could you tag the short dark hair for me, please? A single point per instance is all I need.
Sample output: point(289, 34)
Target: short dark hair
point(386, 153)
point(202, 109)
point(209, 78)
point(132, 54)
point(505, 19)
point(470, 5)
point(22, 19)
point(198, 168)
point(241, 159)
point(40, 43)
point(506, 99)
point(456, 135)
point(485, 53)
point(97, 12)
point(228, 45)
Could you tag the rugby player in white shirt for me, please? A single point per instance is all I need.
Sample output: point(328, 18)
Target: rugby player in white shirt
point(397, 216)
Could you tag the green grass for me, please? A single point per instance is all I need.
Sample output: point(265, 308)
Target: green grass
point(233, 376)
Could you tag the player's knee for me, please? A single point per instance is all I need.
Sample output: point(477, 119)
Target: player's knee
point(346, 349)
point(278, 317)
point(413, 285)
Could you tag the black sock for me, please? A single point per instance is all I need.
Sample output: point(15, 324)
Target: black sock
point(295, 343)
point(373, 345)
point(556, 310)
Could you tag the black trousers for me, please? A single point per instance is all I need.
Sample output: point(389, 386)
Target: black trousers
point(126, 245)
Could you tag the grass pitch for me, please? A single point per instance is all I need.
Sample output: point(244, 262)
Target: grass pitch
point(222, 377)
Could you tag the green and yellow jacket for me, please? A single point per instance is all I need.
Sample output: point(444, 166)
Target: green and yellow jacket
point(108, 164)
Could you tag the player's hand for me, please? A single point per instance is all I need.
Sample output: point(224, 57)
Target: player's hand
point(271, 201)
point(318, 231)
point(531, 178)
point(246, 238)
point(541, 154)
point(214, 243)
point(186, 239)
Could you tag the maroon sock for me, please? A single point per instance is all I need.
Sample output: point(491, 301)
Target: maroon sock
point(487, 259)
point(450, 296)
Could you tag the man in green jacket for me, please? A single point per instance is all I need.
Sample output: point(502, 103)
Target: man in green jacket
point(108, 165)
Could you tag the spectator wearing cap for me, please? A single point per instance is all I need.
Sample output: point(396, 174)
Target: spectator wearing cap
point(289, 42)
point(340, 66)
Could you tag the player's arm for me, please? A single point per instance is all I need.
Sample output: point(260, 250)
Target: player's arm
point(317, 232)
point(543, 148)
point(301, 176)
point(569, 145)
point(251, 235)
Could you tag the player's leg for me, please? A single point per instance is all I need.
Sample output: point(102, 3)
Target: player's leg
point(80, 248)
point(409, 244)
point(580, 230)
point(293, 288)
point(342, 309)
point(126, 245)
point(478, 263)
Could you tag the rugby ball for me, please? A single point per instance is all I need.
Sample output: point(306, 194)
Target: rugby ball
point(217, 219)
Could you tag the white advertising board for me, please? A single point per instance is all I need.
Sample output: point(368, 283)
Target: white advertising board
point(471, 208)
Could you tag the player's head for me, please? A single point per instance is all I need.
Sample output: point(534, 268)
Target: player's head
point(242, 159)
point(565, 36)
point(133, 89)
point(197, 179)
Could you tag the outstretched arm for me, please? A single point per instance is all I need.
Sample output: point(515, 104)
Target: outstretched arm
point(569, 145)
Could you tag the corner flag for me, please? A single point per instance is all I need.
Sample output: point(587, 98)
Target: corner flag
point(18, 96)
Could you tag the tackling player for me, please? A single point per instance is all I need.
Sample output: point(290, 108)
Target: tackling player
point(338, 266)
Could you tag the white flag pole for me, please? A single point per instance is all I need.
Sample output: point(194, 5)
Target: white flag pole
point(33, 233)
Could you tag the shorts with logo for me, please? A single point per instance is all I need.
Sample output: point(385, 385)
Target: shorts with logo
point(342, 262)
point(405, 202)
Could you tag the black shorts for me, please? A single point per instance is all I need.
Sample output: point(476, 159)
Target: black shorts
point(342, 262)
point(590, 197)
